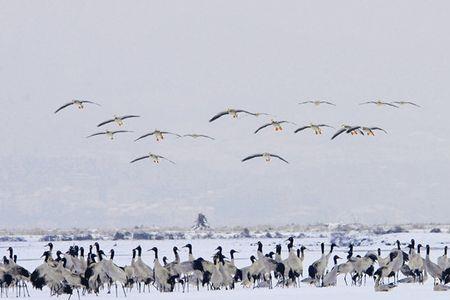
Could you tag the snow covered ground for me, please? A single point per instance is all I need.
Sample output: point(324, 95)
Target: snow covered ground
point(29, 256)
point(335, 293)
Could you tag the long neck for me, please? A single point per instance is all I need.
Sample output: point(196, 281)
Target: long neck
point(291, 244)
point(329, 253)
point(11, 253)
point(350, 254)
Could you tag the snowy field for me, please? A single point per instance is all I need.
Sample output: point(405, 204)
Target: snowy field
point(29, 257)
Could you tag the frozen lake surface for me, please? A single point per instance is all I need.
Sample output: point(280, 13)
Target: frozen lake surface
point(29, 254)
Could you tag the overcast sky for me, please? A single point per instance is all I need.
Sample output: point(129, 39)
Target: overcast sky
point(177, 63)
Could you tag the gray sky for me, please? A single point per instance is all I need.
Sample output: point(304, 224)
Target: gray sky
point(177, 63)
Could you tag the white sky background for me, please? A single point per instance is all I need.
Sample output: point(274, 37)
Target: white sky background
point(177, 63)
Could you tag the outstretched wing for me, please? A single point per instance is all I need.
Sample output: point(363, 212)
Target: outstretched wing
point(390, 104)
point(167, 132)
point(129, 116)
point(206, 136)
point(288, 122)
point(199, 135)
point(340, 131)
point(301, 128)
point(406, 102)
point(90, 102)
point(353, 128)
point(144, 136)
point(120, 131)
point(64, 106)
point(305, 102)
point(105, 122)
point(279, 157)
point(412, 103)
point(245, 111)
point(251, 157)
point(257, 114)
point(329, 103)
point(264, 126)
point(367, 102)
point(223, 113)
point(378, 128)
point(95, 134)
point(325, 125)
point(139, 158)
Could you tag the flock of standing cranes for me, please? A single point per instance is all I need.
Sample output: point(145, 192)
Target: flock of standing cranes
point(277, 125)
point(94, 271)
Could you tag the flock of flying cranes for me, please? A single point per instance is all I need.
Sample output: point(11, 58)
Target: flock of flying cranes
point(234, 113)
point(95, 271)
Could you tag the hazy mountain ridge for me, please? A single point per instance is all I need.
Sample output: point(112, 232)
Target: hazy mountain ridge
point(342, 234)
